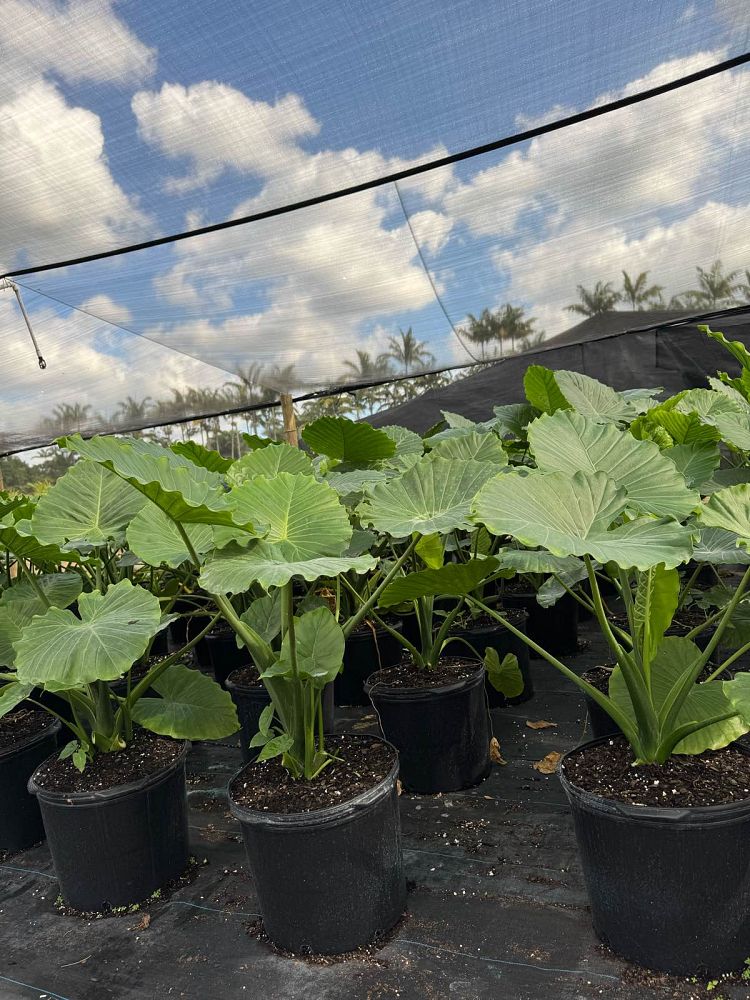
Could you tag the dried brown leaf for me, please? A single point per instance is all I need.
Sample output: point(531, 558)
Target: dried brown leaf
point(495, 756)
point(399, 786)
point(548, 764)
point(541, 724)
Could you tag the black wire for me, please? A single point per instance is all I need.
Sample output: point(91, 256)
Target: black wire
point(341, 390)
point(399, 175)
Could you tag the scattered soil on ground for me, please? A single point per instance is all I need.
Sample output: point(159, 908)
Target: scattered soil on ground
point(361, 763)
point(144, 755)
point(713, 778)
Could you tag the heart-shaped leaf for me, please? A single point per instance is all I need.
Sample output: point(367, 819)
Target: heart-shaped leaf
point(192, 707)
point(269, 462)
point(451, 580)
point(59, 651)
point(354, 443)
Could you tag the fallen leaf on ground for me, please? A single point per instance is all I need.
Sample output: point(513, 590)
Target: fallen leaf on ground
point(143, 923)
point(399, 786)
point(495, 756)
point(541, 724)
point(548, 764)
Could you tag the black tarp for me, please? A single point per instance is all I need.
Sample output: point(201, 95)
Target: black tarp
point(641, 356)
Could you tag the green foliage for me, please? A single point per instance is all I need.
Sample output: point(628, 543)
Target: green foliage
point(347, 441)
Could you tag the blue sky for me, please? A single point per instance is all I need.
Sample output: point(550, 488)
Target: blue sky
point(126, 120)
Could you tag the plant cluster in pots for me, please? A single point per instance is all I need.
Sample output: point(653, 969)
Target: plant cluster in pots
point(432, 705)
point(665, 805)
point(116, 792)
point(319, 813)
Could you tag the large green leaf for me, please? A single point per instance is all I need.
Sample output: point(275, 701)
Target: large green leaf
point(729, 509)
point(719, 546)
point(542, 391)
point(185, 492)
point(21, 602)
point(308, 532)
point(319, 646)
point(476, 447)
point(11, 696)
point(192, 707)
point(567, 570)
point(434, 495)
point(656, 596)
point(204, 457)
point(569, 442)
point(729, 415)
point(406, 441)
point(234, 569)
point(155, 538)
point(59, 651)
point(269, 462)
point(592, 398)
point(451, 580)
point(512, 419)
point(674, 658)
point(723, 478)
point(572, 515)
point(355, 443)
point(355, 481)
point(264, 615)
point(16, 537)
point(89, 505)
point(696, 463)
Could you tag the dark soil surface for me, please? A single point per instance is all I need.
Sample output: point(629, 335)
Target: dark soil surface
point(598, 677)
point(146, 754)
point(22, 723)
point(139, 670)
point(465, 622)
point(407, 675)
point(360, 764)
point(245, 677)
point(712, 778)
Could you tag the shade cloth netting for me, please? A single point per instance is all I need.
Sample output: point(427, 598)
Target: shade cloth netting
point(672, 358)
point(124, 123)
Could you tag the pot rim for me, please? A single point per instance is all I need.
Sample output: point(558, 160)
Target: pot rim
point(657, 815)
point(317, 818)
point(244, 688)
point(101, 795)
point(13, 748)
point(424, 693)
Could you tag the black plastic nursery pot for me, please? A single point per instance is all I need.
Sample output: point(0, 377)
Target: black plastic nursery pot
point(554, 628)
point(367, 650)
point(669, 888)
point(442, 733)
point(497, 637)
point(116, 846)
point(20, 817)
point(600, 723)
point(224, 655)
point(182, 630)
point(329, 880)
point(251, 698)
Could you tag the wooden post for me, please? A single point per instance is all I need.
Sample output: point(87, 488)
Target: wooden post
point(290, 421)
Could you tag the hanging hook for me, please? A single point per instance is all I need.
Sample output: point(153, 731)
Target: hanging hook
point(7, 283)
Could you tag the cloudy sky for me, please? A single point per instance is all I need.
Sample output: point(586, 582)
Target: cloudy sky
point(123, 121)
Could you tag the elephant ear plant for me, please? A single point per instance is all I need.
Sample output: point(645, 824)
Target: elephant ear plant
point(654, 808)
point(272, 530)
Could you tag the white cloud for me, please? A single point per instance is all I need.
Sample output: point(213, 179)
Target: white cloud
point(218, 128)
point(76, 40)
point(59, 197)
point(544, 276)
point(641, 159)
point(107, 309)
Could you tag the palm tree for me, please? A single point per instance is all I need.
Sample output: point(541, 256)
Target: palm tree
point(366, 367)
point(67, 417)
point(514, 324)
point(483, 329)
point(716, 288)
point(133, 411)
point(408, 352)
point(597, 301)
point(639, 293)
